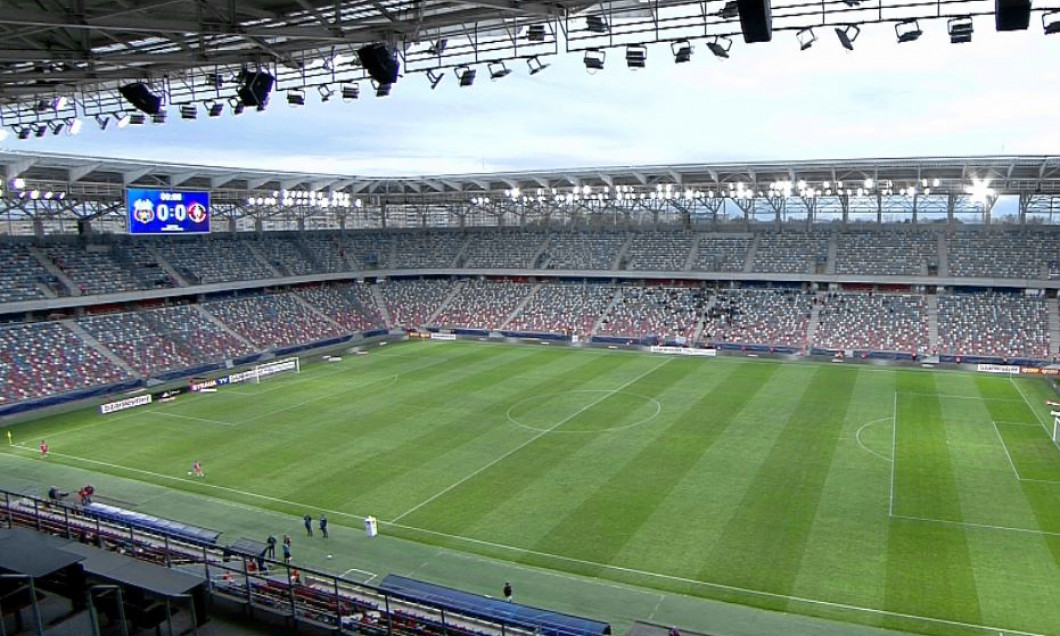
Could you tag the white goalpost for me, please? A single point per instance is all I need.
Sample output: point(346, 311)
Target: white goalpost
point(1056, 427)
point(276, 366)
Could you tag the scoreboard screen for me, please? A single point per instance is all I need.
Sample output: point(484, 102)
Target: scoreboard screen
point(168, 211)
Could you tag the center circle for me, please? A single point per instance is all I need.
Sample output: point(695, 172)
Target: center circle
point(550, 412)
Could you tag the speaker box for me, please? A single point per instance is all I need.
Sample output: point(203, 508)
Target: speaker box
point(1012, 15)
point(381, 63)
point(141, 97)
point(255, 89)
point(756, 20)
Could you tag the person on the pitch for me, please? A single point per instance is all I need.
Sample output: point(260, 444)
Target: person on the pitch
point(270, 550)
point(308, 521)
point(43, 449)
point(508, 591)
point(196, 468)
point(323, 525)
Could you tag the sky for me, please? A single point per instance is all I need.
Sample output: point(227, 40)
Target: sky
point(999, 94)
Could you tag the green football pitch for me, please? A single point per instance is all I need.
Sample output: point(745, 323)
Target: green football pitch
point(901, 498)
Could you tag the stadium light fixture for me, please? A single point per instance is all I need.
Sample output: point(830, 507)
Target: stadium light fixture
point(3, 135)
point(960, 29)
point(123, 119)
point(636, 56)
point(806, 38)
point(498, 70)
point(23, 132)
point(214, 109)
point(56, 127)
point(237, 107)
point(102, 121)
point(535, 65)
point(536, 33)
point(908, 31)
point(465, 75)
point(159, 117)
point(730, 10)
point(594, 60)
point(437, 48)
point(381, 90)
point(980, 190)
point(847, 35)
point(682, 50)
point(40, 131)
point(1051, 22)
point(349, 92)
point(720, 46)
point(325, 92)
point(435, 77)
point(74, 126)
point(296, 97)
point(596, 24)
point(189, 111)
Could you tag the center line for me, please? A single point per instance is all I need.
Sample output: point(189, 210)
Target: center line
point(530, 441)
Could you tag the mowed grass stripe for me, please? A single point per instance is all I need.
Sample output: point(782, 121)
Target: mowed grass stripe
point(619, 507)
point(929, 569)
point(496, 484)
point(762, 545)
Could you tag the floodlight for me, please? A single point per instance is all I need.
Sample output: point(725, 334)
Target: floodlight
point(159, 117)
point(466, 75)
point(847, 35)
point(237, 107)
point(73, 126)
point(682, 50)
point(214, 80)
point(535, 65)
point(189, 111)
point(806, 38)
point(381, 90)
point(1051, 22)
point(536, 33)
point(730, 10)
point(102, 121)
point(594, 60)
point(325, 92)
point(123, 119)
point(595, 24)
point(636, 56)
point(56, 127)
point(498, 70)
point(215, 109)
point(720, 46)
point(960, 29)
point(907, 31)
point(435, 78)
point(23, 132)
point(296, 98)
point(40, 131)
point(350, 92)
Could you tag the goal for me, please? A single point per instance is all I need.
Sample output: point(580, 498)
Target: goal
point(1056, 428)
point(276, 366)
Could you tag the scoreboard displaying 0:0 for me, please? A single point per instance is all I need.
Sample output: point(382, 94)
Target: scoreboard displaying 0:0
point(168, 211)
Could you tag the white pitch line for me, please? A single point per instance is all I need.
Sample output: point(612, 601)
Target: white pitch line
point(1028, 403)
point(978, 398)
point(1007, 454)
point(982, 526)
point(894, 451)
point(857, 438)
point(372, 574)
point(189, 417)
point(722, 586)
point(530, 441)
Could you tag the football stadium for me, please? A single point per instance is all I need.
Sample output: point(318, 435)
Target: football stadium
point(800, 397)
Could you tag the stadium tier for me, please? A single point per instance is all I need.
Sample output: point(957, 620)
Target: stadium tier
point(138, 311)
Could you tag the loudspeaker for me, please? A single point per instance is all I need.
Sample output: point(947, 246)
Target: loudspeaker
point(255, 89)
point(1012, 15)
point(756, 20)
point(141, 97)
point(380, 62)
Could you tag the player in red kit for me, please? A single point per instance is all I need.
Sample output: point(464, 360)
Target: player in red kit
point(196, 468)
point(43, 449)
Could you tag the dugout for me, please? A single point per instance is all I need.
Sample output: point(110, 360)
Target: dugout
point(539, 621)
point(31, 562)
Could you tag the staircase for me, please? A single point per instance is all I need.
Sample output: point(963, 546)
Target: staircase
point(263, 259)
point(53, 269)
point(87, 338)
point(520, 306)
point(944, 256)
point(212, 318)
point(457, 288)
point(702, 322)
point(461, 255)
point(607, 312)
point(933, 322)
point(166, 267)
point(316, 312)
point(815, 321)
point(622, 254)
point(693, 253)
point(752, 252)
point(541, 251)
point(833, 254)
point(381, 305)
point(1054, 327)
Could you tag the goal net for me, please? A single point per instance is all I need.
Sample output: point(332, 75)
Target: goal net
point(276, 366)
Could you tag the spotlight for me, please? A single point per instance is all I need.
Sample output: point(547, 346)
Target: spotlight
point(349, 92)
point(596, 24)
point(435, 77)
point(159, 117)
point(3, 136)
point(847, 35)
point(720, 46)
point(102, 121)
point(682, 51)
point(907, 31)
point(188, 111)
point(237, 107)
point(636, 56)
point(381, 90)
point(56, 127)
point(23, 132)
point(325, 92)
point(594, 60)
point(498, 70)
point(960, 29)
point(806, 38)
point(73, 127)
point(215, 109)
point(535, 65)
point(131, 118)
point(1051, 22)
point(40, 131)
point(296, 98)
point(535, 33)
point(466, 75)
point(730, 10)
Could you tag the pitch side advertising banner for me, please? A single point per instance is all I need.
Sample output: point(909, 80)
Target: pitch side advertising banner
point(998, 368)
point(127, 403)
point(168, 211)
point(683, 351)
